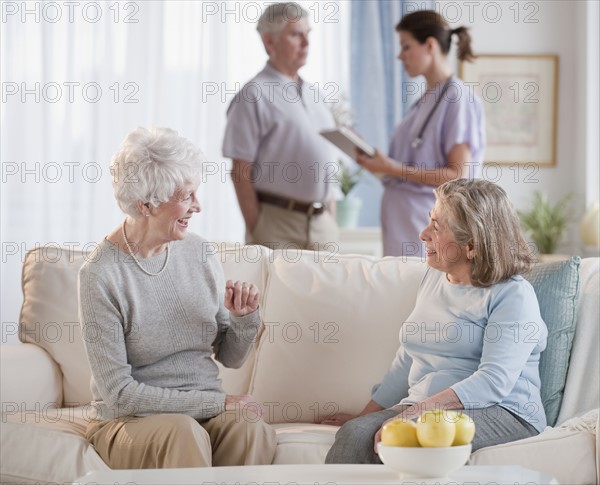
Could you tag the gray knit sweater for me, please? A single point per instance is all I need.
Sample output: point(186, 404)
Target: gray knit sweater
point(149, 339)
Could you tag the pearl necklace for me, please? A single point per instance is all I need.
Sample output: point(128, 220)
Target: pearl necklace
point(136, 259)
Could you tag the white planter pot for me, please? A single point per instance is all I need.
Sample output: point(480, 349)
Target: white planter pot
point(348, 212)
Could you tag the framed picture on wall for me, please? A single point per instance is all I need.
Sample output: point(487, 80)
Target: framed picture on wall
point(519, 94)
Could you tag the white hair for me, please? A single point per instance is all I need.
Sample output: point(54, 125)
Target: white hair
point(277, 15)
point(151, 165)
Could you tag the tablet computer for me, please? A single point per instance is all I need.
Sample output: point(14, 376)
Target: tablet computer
point(348, 141)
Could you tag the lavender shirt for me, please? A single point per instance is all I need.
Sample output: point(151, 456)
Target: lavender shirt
point(458, 119)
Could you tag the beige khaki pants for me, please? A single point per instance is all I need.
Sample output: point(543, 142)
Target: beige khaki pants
point(179, 441)
point(279, 228)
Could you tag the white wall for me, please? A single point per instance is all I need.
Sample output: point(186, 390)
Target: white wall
point(187, 62)
point(588, 95)
point(547, 27)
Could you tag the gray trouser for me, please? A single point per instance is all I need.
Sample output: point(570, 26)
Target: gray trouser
point(493, 425)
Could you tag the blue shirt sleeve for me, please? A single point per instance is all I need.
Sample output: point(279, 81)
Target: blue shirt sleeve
point(394, 386)
point(514, 329)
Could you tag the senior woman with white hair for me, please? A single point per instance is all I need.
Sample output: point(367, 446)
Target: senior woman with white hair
point(154, 308)
point(474, 338)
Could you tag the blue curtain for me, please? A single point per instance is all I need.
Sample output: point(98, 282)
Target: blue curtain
point(377, 77)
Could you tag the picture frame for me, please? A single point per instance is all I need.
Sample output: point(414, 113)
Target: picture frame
point(519, 95)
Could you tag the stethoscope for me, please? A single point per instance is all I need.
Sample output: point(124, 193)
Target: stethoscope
point(418, 141)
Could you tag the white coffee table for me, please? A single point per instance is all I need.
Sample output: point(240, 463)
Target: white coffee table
point(311, 475)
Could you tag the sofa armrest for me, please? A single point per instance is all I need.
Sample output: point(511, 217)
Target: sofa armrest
point(30, 380)
point(581, 388)
point(598, 449)
point(566, 455)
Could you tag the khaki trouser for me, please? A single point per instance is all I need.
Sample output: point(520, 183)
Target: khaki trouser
point(179, 441)
point(279, 228)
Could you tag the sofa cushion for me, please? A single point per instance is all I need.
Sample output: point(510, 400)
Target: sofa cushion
point(324, 314)
point(303, 444)
point(48, 446)
point(556, 286)
point(29, 378)
point(568, 453)
point(49, 315)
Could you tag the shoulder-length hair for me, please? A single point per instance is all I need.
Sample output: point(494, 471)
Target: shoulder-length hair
point(481, 216)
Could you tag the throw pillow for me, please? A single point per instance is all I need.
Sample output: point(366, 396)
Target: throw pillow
point(49, 316)
point(556, 286)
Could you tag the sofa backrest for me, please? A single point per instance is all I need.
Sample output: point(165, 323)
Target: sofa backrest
point(49, 314)
point(331, 327)
point(331, 331)
point(304, 374)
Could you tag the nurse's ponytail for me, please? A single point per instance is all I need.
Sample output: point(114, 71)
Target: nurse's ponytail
point(423, 24)
point(464, 44)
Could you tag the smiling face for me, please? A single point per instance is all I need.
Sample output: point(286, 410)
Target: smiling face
point(443, 252)
point(415, 57)
point(288, 50)
point(169, 221)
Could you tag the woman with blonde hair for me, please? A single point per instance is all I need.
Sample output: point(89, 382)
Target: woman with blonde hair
point(474, 338)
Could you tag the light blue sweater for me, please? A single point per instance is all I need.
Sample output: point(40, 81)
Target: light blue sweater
point(484, 343)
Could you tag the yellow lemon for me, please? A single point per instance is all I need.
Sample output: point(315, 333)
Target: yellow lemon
point(400, 432)
point(436, 429)
point(465, 430)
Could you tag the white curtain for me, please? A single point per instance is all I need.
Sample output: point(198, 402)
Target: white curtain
point(77, 78)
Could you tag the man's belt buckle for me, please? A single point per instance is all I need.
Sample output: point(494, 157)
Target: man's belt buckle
point(315, 207)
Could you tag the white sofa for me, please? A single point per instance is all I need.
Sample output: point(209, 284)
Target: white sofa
point(331, 330)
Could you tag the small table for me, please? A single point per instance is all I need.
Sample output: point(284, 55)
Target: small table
point(311, 475)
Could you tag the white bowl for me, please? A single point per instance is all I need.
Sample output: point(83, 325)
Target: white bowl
point(424, 462)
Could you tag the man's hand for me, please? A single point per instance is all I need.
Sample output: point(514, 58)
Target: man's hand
point(241, 298)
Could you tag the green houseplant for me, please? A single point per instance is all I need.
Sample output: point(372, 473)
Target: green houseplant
point(348, 209)
point(347, 178)
point(546, 223)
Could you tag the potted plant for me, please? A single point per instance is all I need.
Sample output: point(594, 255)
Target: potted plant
point(348, 208)
point(546, 223)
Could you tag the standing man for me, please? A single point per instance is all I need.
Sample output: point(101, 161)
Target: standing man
point(282, 167)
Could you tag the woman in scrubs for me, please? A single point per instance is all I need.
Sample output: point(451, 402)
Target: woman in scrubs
point(441, 138)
